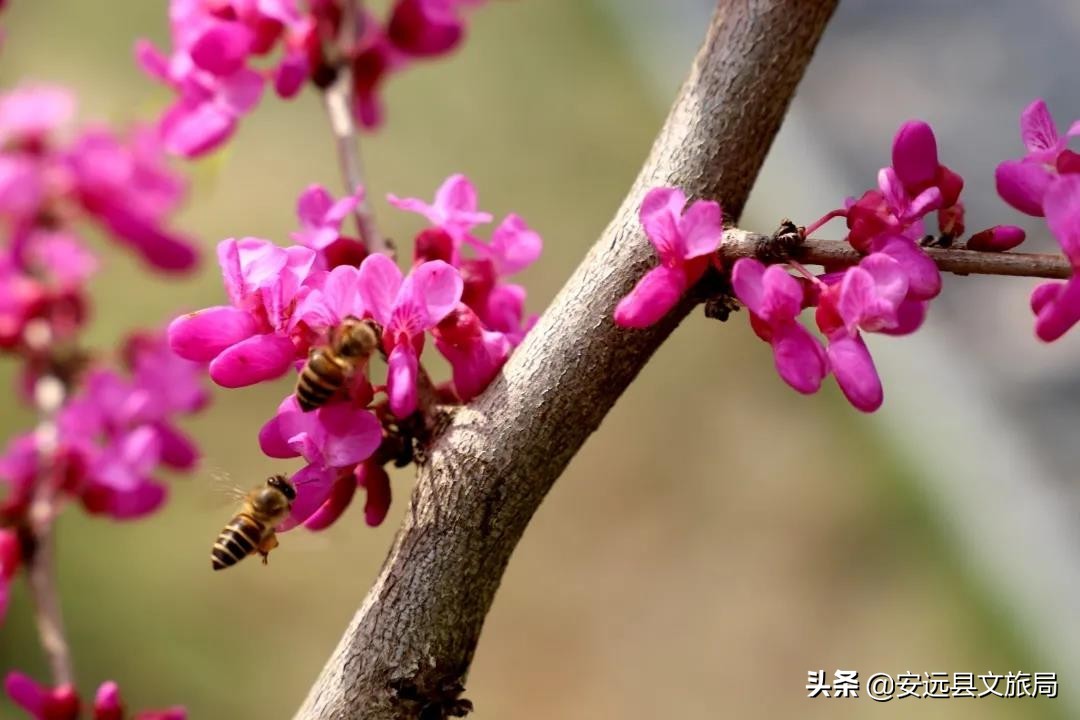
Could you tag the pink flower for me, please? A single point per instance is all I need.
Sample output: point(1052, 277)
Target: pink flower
point(1057, 304)
point(453, 210)
point(474, 353)
point(999, 238)
point(42, 703)
point(247, 342)
point(62, 703)
point(1023, 183)
point(10, 559)
point(320, 224)
point(406, 308)
point(376, 483)
point(333, 440)
point(426, 28)
point(109, 706)
point(130, 190)
point(684, 243)
point(774, 299)
point(29, 114)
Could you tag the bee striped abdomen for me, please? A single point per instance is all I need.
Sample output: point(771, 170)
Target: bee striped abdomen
point(322, 376)
point(239, 539)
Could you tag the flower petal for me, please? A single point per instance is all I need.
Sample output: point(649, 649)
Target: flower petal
point(855, 373)
point(1056, 312)
point(800, 359)
point(514, 245)
point(915, 155)
point(701, 228)
point(1023, 185)
point(1038, 132)
point(352, 435)
point(259, 358)
point(380, 281)
point(341, 495)
point(203, 334)
point(401, 373)
point(654, 295)
point(1062, 207)
point(659, 214)
point(313, 485)
point(376, 482)
point(435, 288)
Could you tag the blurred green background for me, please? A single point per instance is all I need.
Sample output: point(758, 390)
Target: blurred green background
point(716, 539)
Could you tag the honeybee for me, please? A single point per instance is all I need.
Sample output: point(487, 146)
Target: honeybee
point(251, 529)
point(329, 367)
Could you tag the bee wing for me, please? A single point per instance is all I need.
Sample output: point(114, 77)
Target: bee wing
point(225, 489)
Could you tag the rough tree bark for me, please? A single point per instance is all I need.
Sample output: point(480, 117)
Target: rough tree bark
point(406, 652)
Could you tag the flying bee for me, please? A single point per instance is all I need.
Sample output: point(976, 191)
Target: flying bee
point(251, 529)
point(329, 367)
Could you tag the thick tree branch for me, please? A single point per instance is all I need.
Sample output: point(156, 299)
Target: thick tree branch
point(409, 647)
point(741, 243)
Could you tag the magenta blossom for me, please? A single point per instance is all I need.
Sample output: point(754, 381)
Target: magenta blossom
point(775, 299)
point(1057, 304)
point(10, 559)
point(406, 307)
point(684, 242)
point(333, 440)
point(475, 354)
point(213, 44)
point(113, 434)
point(425, 28)
point(247, 342)
point(321, 216)
point(376, 483)
point(29, 114)
point(453, 210)
point(129, 189)
point(1024, 183)
point(62, 703)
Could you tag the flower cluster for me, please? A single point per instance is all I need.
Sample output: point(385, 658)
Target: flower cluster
point(111, 436)
point(216, 44)
point(285, 301)
point(62, 703)
point(1046, 182)
point(47, 183)
point(890, 287)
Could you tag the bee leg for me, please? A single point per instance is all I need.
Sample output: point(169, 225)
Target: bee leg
point(269, 543)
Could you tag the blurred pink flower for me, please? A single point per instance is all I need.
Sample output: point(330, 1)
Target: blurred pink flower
point(10, 559)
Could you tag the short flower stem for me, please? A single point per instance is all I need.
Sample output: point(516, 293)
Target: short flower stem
point(339, 99)
point(959, 261)
point(49, 393)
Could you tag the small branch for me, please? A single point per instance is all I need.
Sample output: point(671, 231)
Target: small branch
point(408, 649)
point(339, 99)
point(741, 243)
point(49, 395)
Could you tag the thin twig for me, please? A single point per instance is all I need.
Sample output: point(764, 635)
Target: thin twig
point(49, 393)
point(742, 243)
point(339, 99)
